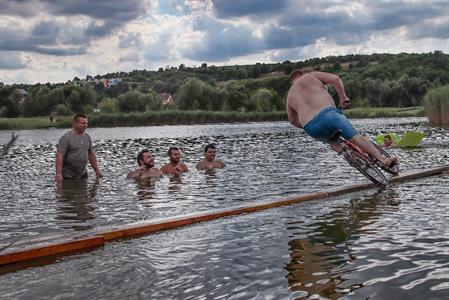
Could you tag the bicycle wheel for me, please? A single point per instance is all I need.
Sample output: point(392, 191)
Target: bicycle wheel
point(392, 170)
point(365, 167)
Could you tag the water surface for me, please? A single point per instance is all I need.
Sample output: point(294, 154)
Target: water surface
point(357, 246)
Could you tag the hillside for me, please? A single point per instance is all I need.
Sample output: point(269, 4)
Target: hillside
point(377, 80)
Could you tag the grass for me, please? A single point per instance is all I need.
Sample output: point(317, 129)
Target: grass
point(174, 117)
point(436, 103)
point(31, 123)
point(385, 112)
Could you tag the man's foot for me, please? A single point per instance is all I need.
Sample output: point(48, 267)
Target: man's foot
point(390, 162)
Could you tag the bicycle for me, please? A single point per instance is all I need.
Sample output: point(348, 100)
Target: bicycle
point(363, 162)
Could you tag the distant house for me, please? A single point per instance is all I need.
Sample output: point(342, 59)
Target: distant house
point(166, 99)
point(107, 83)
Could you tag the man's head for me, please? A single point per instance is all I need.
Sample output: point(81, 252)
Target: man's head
point(145, 158)
point(387, 140)
point(295, 74)
point(174, 154)
point(210, 152)
point(79, 123)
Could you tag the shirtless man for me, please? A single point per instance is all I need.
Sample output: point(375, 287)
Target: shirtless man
point(209, 162)
point(175, 166)
point(311, 107)
point(146, 169)
point(388, 142)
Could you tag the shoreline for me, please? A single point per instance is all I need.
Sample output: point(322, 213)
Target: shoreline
point(193, 117)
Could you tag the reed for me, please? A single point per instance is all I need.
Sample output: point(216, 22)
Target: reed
point(385, 112)
point(174, 117)
point(6, 148)
point(436, 103)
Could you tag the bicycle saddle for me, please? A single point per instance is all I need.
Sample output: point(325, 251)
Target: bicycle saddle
point(335, 136)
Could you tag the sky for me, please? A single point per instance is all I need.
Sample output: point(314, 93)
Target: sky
point(57, 40)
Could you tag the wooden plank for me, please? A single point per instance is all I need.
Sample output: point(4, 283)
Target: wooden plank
point(171, 223)
point(47, 246)
point(51, 249)
point(142, 228)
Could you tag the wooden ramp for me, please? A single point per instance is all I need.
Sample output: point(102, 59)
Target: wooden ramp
point(42, 249)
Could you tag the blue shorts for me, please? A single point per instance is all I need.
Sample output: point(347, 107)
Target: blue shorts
point(326, 122)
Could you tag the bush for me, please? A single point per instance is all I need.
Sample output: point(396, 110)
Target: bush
point(436, 103)
point(62, 110)
point(108, 106)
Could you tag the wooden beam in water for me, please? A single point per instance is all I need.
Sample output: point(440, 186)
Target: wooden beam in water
point(56, 248)
point(35, 248)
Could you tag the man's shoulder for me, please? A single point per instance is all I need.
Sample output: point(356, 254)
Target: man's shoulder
point(67, 135)
point(133, 174)
point(165, 167)
point(199, 164)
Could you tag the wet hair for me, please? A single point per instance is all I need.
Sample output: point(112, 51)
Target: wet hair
point(77, 116)
point(140, 156)
point(294, 73)
point(209, 146)
point(172, 149)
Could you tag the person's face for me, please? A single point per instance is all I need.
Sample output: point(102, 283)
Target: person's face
point(148, 160)
point(210, 154)
point(387, 141)
point(80, 125)
point(175, 156)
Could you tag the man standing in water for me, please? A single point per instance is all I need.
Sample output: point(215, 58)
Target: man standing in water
point(175, 166)
point(74, 149)
point(311, 107)
point(209, 162)
point(146, 169)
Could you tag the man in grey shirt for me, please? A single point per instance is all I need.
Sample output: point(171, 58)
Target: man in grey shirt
point(74, 149)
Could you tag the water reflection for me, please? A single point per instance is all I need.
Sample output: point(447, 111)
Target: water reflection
point(319, 260)
point(76, 202)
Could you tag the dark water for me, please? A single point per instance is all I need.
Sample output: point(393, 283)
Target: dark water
point(374, 244)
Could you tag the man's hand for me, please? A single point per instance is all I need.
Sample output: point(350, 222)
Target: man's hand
point(99, 175)
point(345, 103)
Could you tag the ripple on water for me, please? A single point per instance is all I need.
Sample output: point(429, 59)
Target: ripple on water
point(375, 244)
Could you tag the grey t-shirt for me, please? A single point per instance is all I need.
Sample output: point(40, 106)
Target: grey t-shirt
point(76, 149)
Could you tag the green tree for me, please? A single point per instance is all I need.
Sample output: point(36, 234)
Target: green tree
point(262, 100)
point(109, 105)
point(62, 110)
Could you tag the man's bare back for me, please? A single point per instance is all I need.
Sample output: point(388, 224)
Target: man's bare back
point(308, 96)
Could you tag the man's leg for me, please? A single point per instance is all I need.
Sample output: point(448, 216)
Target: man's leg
point(336, 147)
point(366, 146)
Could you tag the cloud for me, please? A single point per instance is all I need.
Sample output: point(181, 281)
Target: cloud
point(55, 40)
point(61, 27)
point(11, 60)
point(221, 40)
point(230, 9)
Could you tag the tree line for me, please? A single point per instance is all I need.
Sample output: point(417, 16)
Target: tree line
point(377, 80)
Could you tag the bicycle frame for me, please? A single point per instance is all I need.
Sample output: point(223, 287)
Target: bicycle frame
point(347, 143)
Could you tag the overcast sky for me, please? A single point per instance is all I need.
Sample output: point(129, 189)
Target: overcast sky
point(56, 40)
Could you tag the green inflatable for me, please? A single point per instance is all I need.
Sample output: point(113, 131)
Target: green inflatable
point(410, 139)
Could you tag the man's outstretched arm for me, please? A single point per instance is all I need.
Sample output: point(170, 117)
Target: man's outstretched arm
point(335, 81)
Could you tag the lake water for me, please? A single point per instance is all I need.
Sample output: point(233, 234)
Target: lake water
point(374, 244)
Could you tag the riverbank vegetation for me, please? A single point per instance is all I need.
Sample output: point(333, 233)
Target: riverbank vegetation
point(173, 117)
point(371, 81)
point(437, 106)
